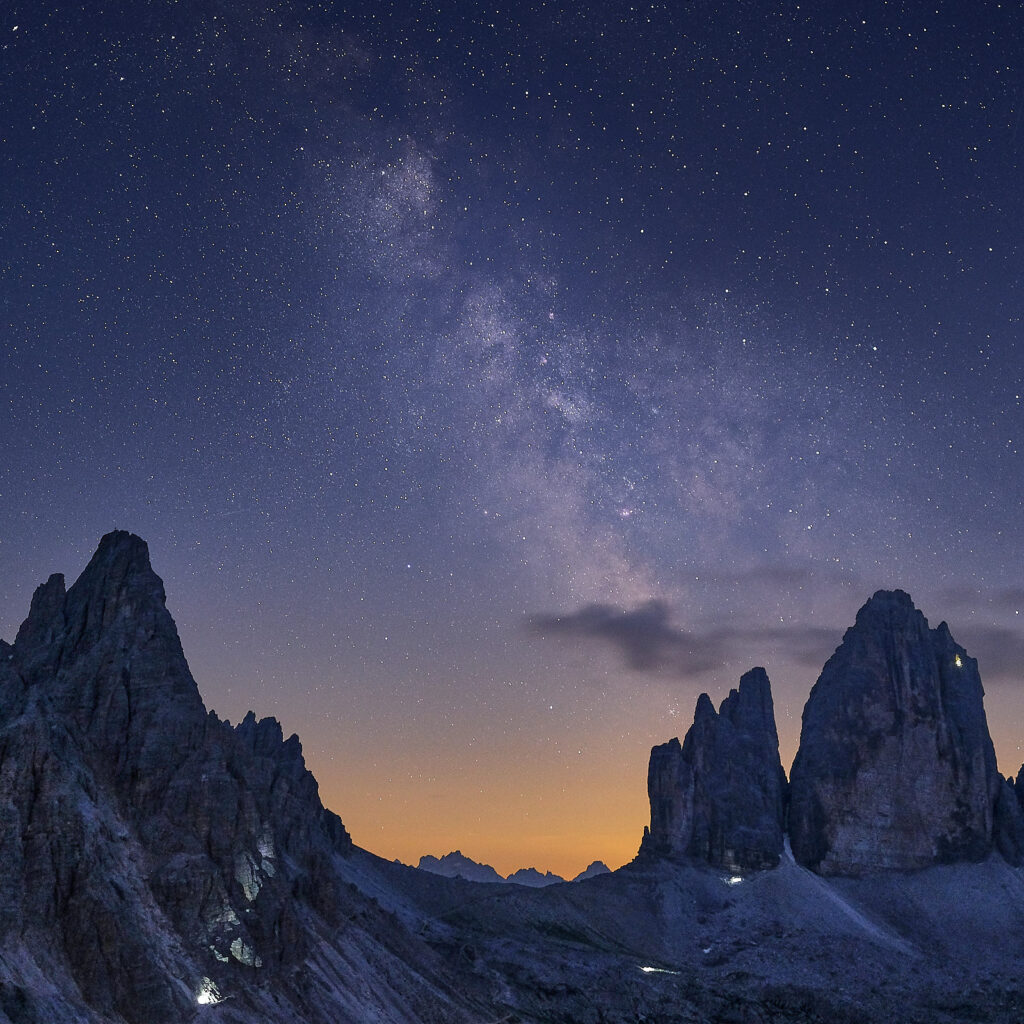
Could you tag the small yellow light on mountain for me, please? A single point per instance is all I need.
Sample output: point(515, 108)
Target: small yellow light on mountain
point(958, 662)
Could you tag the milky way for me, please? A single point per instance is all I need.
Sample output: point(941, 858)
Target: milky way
point(489, 384)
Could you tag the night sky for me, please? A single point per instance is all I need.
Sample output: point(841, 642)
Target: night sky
point(490, 380)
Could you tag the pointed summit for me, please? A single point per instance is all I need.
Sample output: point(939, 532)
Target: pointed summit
point(720, 796)
point(888, 604)
point(896, 769)
point(106, 655)
point(127, 548)
point(118, 583)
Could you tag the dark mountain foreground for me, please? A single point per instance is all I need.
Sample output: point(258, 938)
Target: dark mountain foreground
point(158, 865)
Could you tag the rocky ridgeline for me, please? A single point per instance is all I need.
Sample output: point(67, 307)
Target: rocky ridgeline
point(457, 865)
point(895, 769)
point(134, 825)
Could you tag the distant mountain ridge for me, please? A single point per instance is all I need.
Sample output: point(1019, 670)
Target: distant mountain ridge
point(159, 865)
point(457, 865)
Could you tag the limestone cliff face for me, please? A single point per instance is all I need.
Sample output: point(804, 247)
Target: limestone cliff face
point(1008, 823)
point(151, 846)
point(895, 769)
point(719, 797)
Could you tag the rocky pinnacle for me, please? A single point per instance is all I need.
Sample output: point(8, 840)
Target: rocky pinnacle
point(719, 797)
point(896, 769)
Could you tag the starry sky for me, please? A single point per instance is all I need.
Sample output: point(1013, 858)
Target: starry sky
point(489, 380)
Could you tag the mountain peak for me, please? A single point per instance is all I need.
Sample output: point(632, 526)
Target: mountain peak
point(888, 606)
point(121, 544)
point(118, 585)
point(106, 654)
point(750, 707)
point(592, 870)
point(705, 710)
point(890, 597)
point(147, 813)
point(896, 769)
point(755, 683)
point(119, 567)
point(457, 865)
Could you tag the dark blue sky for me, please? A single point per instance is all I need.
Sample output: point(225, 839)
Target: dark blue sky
point(398, 330)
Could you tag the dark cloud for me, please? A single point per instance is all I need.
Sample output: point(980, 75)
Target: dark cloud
point(776, 576)
point(643, 636)
point(1011, 598)
point(647, 640)
point(969, 600)
point(801, 575)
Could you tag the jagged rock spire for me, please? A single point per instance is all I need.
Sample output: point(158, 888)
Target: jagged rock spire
point(719, 797)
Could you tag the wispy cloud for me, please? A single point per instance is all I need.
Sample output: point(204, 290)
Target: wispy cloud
point(1011, 598)
point(644, 636)
point(647, 640)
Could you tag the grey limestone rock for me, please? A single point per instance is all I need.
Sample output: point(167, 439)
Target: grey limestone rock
point(45, 622)
point(151, 844)
point(720, 796)
point(1008, 823)
point(158, 865)
point(896, 769)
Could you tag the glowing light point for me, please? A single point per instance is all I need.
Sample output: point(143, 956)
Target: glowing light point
point(733, 880)
point(958, 662)
point(208, 995)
